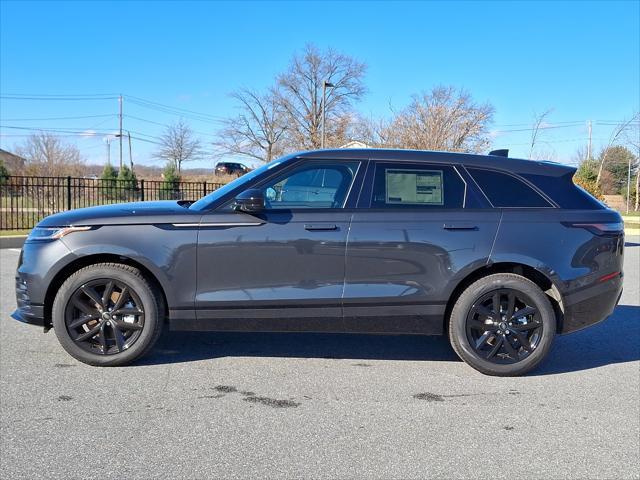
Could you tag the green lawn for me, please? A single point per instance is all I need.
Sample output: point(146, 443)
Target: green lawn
point(9, 233)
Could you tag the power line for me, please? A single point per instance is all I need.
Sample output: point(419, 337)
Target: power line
point(55, 118)
point(14, 97)
point(164, 124)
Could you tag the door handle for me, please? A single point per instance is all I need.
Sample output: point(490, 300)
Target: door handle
point(320, 226)
point(460, 226)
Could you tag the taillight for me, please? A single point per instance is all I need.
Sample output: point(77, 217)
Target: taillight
point(606, 228)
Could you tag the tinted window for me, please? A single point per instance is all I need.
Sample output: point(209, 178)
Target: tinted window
point(505, 190)
point(407, 185)
point(323, 185)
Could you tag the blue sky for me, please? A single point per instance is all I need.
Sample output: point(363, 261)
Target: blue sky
point(582, 59)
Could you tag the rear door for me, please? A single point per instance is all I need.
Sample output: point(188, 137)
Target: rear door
point(418, 229)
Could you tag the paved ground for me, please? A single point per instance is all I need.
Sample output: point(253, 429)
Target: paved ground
point(324, 406)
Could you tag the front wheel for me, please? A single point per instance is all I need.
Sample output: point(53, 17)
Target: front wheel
point(107, 314)
point(503, 324)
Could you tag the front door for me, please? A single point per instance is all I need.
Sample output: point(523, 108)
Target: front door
point(282, 269)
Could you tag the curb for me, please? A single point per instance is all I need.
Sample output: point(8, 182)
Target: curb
point(14, 241)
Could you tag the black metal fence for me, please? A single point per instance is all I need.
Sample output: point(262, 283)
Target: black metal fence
point(24, 201)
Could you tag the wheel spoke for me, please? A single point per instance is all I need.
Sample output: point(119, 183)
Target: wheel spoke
point(119, 337)
point(527, 326)
point(496, 348)
point(479, 325)
point(106, 296)
point(127, 311)
point(523, 312)
point(87, 335)
point(524, 341)
point(124, 294)
point(483, 339)
point(496, 305)
point(484, 311)
point(128, 326)
point(511, 306)
point(83, 307)
point(509, 348)
point(81, 321)
point(102, 338)
point(93, 295)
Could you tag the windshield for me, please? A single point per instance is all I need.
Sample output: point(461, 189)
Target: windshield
point(207, 200)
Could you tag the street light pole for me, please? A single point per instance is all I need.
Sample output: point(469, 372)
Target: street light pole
point(120, 118)
point(130, 154)
point(325, 84)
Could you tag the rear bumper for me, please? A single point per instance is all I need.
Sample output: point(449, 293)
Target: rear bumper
point(590, 305)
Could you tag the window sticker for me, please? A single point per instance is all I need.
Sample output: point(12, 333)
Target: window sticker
point(418, 187)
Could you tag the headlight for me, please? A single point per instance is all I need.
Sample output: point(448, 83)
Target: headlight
point(53, 233)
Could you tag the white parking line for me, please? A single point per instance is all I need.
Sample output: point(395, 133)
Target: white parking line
point(14, 250)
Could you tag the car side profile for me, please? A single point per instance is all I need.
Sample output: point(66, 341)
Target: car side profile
point(499, 254)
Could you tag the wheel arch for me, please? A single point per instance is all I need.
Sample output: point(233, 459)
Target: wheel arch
point(87, 260)
point(529, 272)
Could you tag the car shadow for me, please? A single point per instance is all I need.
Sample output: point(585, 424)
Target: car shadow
point(616, 340)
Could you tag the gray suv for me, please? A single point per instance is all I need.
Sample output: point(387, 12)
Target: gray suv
point(497, 253)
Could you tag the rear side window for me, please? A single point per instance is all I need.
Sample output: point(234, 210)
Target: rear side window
point(407, 185)
point(504, 191)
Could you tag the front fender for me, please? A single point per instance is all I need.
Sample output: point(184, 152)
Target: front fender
point(169, 254)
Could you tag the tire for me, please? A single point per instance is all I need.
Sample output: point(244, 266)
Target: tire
point(115, 301)
point(492, 343)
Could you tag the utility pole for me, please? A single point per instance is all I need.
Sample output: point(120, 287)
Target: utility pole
point(589, 145)
point(325, 84)
point(120, 116)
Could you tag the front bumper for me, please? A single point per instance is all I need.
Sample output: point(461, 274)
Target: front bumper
point(591, 304)
point(34, 318)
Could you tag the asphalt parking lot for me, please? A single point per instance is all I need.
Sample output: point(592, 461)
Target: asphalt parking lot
point(320, 406)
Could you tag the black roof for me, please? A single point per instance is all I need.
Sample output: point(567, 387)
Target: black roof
point(514, 165)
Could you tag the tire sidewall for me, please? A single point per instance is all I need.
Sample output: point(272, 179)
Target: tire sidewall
point(472, 294)
point(151, 314)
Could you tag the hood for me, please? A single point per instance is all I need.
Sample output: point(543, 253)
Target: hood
point(166, 211)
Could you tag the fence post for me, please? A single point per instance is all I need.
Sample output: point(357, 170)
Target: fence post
point(204, 188)
point(69, 193)
point(142, 190)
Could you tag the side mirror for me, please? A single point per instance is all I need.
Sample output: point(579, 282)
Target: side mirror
point(250, 201)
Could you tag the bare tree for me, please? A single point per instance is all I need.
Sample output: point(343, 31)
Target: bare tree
point(257, 131)
point(301, 95)
point(178, 144)
point(632, 139)
point(538, 124)
point(443, 119)
point(618, 132)
point(46, 154)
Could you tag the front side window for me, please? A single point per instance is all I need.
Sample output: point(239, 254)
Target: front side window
point(398, 185)
point(316, 185)
point(506, 191)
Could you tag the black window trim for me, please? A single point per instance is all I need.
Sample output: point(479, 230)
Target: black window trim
point(258, 182)
point(376, 161)
point(544, 196)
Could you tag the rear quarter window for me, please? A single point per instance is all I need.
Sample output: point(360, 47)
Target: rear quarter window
point(506, 191)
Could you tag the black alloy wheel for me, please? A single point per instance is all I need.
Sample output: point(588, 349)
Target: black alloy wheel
point(105, 316)
point(108, 314)
point(504, 326)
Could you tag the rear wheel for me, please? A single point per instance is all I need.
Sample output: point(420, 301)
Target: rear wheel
point(503, 325)
point(107, 314)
